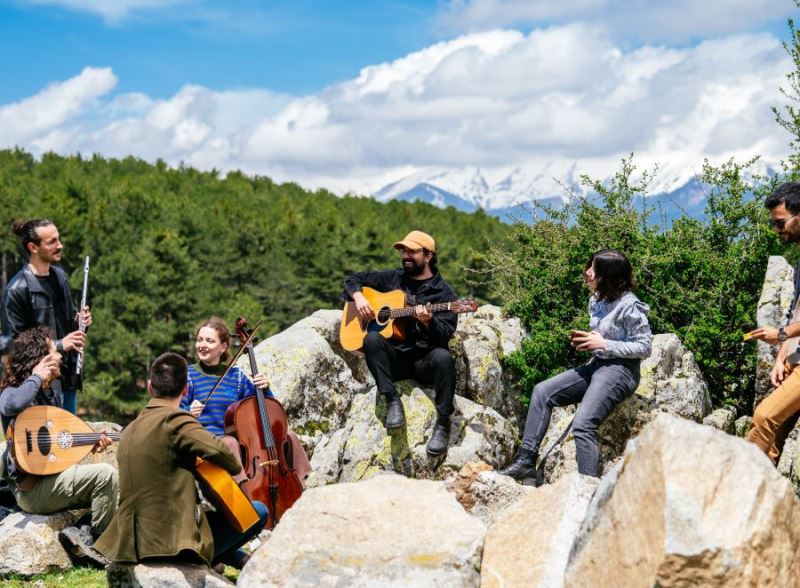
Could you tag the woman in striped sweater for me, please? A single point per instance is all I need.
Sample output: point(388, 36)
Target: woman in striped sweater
point(212, 346)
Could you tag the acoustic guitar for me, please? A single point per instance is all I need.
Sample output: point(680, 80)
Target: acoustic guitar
point(388, 307)
point(220, 489)
point(47, 440)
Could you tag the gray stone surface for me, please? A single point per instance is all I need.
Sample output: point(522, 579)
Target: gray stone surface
point(689, 506)
point(530, 541)
point(742, 425)
point(165, 575)
point(722, 419)
point(776, 297)
point(386, 531)
point(29, 543)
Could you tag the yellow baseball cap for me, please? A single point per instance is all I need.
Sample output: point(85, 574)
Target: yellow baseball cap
point(417, 240)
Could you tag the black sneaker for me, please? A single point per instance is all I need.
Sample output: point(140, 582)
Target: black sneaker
point(79, 545)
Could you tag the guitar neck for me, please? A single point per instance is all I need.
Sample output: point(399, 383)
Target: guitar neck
point(92, 438)
point(407, 311)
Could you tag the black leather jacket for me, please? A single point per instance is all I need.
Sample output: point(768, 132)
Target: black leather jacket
point(25, 304)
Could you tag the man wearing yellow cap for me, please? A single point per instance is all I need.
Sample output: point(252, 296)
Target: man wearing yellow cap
point(423, 354)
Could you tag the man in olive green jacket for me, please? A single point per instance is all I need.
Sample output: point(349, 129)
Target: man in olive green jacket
point(159, 514)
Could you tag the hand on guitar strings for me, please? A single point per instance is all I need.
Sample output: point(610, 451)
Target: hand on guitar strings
point(424, 314)
point(196, 408)
point(362, 306)
point(102, 443)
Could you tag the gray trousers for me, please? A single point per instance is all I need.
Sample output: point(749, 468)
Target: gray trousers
point(599, 386)
point(92, 486)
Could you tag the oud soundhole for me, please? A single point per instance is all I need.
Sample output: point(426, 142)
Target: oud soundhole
point(43, 441)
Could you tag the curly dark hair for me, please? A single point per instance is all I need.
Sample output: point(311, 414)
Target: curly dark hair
point(27, 350)
point(613, 272)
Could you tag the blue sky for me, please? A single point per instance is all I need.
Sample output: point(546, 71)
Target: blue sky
point(289, 46)
point(355, 95)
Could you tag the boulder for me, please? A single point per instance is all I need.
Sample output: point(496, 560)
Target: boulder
point(723, 419)
point(167, 575)
point(670, 383)
point(461, 483)
point(530, 542)
point(479, 345)
point(364, 447)
point(386, 531)
point(776, 297)
point(491, 493)
point(29, 543)
point(689, 506)
point(314, 384)
point(742, 425)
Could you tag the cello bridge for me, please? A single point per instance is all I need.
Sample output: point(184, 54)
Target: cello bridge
point(270, 462)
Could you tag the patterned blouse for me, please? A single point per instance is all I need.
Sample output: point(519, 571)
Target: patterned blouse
point(623, 324)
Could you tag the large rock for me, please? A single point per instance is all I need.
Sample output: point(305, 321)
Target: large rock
point(491, 494)
point(689, 506)
point(670, 383)
point(530, 542)
point(723, 419)
point(167, 575)
point(363, 447)
point(776, 297)
point(479, 345)
point(387, 531)
point(314, 384)
point(29, 543)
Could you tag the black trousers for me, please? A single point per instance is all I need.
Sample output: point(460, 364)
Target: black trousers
point(427, 366)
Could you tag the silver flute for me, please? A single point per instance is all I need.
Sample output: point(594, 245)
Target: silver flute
point(81, 324)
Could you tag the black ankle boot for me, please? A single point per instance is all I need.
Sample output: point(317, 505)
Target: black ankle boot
point(395, 415)
point(523, 466)
point(440, 436)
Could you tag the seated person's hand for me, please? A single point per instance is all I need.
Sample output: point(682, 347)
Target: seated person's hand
point(423, 312)
point(48, 367)
point(102, 443)
point(261, 381)
point(363, 307)
point(587, 341)
point(196, 408)
point(74, 340)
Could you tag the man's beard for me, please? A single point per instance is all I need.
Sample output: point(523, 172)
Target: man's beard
point(413, 268)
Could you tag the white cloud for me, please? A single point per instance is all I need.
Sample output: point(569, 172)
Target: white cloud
point(112, 11)
point(547, 100)
point(646, 20)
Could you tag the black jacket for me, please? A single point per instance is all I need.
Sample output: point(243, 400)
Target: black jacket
point(434, 290)
point(26, 304)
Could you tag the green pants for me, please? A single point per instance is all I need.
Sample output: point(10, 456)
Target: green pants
point(94, 486)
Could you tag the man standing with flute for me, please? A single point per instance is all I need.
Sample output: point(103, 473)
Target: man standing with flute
point(39, 294)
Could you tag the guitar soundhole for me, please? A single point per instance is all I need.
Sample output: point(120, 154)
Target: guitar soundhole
point(43, 441)
point(383, 315)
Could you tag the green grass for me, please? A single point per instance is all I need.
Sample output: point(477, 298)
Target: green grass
point(74, 578)
point(77, 578)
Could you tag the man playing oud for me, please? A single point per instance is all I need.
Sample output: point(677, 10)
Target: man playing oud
point(423, 353)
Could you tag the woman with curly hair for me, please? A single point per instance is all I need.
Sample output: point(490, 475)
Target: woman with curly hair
point(619, 338)
point(31, 379)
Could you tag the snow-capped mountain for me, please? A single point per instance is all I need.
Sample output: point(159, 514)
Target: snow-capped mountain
point(506, 192)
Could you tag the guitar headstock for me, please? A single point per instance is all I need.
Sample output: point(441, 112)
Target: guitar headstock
point(460, 306)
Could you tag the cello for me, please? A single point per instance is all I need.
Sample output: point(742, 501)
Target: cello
point(259, 423)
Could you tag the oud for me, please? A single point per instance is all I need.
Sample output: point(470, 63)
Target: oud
point(388, 308)
point(48, 440)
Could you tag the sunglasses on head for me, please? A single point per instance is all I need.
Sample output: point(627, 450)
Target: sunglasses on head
point(779, 223)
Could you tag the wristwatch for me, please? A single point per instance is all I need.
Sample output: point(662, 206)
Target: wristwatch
point(782, 336)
